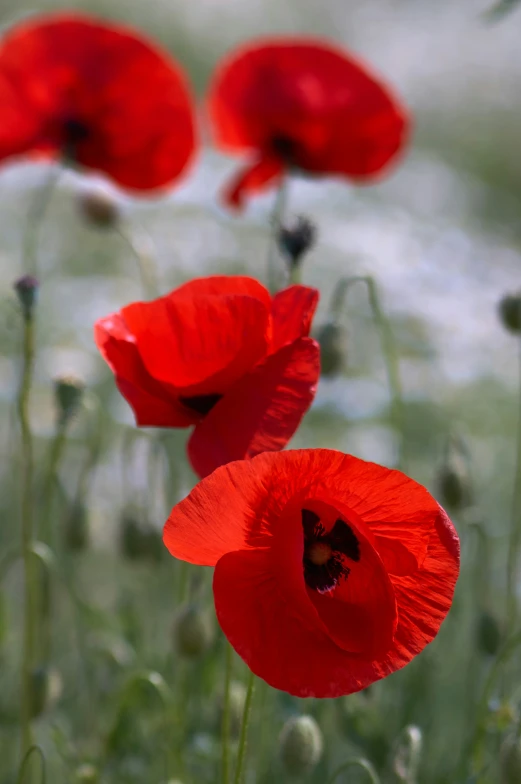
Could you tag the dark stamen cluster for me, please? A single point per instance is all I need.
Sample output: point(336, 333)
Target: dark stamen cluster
point(325, 553)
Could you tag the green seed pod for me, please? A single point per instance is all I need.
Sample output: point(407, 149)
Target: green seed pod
point(332, 338)
point(76, 528)
point(301, 745)
point(488, 633)
point(193, 631)
point(510, 760)
point(453, 483)
point(86, 774)
point(68, 392)
point(99, 207)
point(510, 312)
point(46, 689)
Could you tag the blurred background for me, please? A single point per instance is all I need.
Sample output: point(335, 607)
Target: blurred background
point(442, 238)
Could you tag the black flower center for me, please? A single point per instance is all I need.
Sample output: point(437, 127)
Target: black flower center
point(284, 147)
point(75, 131)
point(325, 553)
point(202, 404)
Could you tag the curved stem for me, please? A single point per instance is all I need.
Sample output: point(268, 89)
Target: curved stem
point(277, 218)
point(481, 711)
point(244, 730)
point(35, 216)
point(145, 260)
point(515, 524)
point(389, 352)
point(226, 715)
point(356, 763)
point(27, 525)
point(32, 750)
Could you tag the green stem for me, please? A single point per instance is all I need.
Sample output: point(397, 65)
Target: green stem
point(25, 762)
point(356, 763)
point(515, 524)
point(35, 216)
point(27, 526)
point(244, 730)
point(56, 451)
point(226, 715)
point(475, 752)
point(389, 352)
point(145, 260)
point(277, 218)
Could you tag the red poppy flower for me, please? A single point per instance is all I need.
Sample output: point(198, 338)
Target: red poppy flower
point(304, 105)
point(73, 87)
point(221, 354)
point(330, 572)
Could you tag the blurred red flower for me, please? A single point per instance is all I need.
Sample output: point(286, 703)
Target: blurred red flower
point(221, 354)
point(97, 93)
point(330, 572)
point(303, 105)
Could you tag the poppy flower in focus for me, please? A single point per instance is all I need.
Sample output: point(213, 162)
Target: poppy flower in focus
point(330, 572)
point(297, 104)
point(221, 354)
point(99, 94)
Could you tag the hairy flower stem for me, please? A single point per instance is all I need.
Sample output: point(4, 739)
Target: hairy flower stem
point(226, 715)
point(277, 218)
point(515, 524)
point(27, 527)
point(475, 753)
point(36, 214)
point(25, 764)
point(356, 763)
point(239, 771)
point(389, 352)
point(140, 248)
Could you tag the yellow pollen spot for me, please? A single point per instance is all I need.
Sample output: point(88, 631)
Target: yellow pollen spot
point(318, 553)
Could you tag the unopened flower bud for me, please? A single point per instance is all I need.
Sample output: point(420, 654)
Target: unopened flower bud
point(237, 698)
point(510, 312)
point(488, 633)
point(510, 760)
point(139, 540)
point(296, 240)
point(26, 288)
point(408, 754)
point(301, 745)
point(68, 392)
point(99, 206)
point(453, 483)
point(332, 338)
point(193, 631)
point(46, 689)
point(76, 528)
point(86, 774)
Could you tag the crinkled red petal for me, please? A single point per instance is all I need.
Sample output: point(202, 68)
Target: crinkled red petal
point(261, 412)
point(292, 311)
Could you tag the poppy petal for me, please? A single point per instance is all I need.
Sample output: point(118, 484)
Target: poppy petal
point(150, 401)
point(224, 285)
point(261, 411)
point(292, 311)
point(251, 180)
point(73, 71)
point(199, 345)
point(272, 638)
point(220, 514)
point(359, 614)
